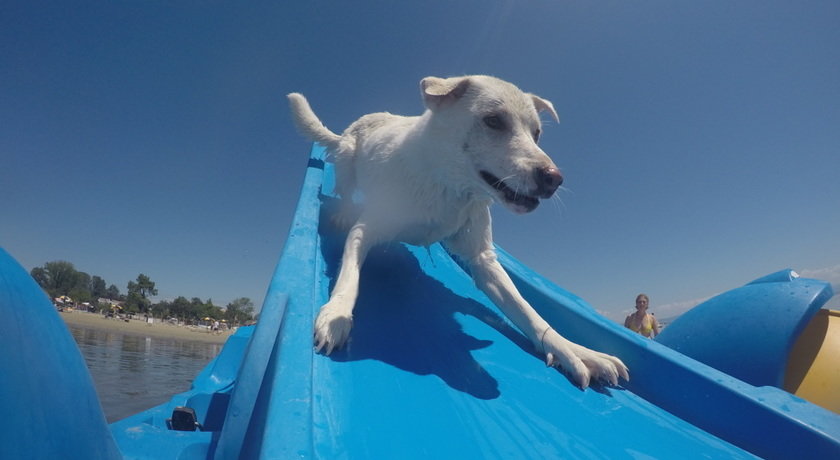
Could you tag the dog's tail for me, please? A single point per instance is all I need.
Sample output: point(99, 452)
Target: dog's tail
point(309, 125)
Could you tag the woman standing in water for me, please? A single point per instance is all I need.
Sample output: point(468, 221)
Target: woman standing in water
point(641, 321)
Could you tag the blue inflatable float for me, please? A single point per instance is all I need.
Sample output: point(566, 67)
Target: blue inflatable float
point(433, 370)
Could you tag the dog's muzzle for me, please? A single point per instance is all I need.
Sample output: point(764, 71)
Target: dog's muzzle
point(548, 180)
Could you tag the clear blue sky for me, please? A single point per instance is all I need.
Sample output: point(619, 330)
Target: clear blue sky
point(700, 141)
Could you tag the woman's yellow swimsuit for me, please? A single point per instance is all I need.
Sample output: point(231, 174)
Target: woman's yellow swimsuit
point(645, 328)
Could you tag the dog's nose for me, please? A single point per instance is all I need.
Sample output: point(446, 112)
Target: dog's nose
point(548, 179)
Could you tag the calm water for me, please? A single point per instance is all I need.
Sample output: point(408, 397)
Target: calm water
point(134, 373)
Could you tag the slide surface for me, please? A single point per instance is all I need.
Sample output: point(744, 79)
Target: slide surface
point(433, 370)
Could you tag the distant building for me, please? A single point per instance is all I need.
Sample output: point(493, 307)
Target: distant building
point(113, 303)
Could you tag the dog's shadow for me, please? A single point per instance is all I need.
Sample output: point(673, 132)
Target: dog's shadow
point(407, 319)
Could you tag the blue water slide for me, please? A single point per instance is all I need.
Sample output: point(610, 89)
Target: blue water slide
point(432, 370)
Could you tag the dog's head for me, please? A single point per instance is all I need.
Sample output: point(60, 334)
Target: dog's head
point(498, 127)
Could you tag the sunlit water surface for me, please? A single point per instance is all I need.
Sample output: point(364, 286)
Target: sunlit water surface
point(133, 373)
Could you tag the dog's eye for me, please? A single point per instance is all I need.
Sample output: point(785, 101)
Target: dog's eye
point(494, 122)
point(537, 135)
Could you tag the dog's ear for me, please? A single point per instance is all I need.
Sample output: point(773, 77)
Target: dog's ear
point(544, 105)
point(439, 91)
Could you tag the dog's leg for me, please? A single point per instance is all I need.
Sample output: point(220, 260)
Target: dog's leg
point(473, 245)
point(332, 327)
point(582, 364)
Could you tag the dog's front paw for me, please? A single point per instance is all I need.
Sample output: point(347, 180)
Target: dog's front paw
point(602, 367)
point(332, 327)
point(581, 364)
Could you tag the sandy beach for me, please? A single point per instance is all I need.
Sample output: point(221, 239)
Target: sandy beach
point(139, 327)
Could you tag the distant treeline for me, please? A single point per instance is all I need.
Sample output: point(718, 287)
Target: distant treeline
point(60, 278)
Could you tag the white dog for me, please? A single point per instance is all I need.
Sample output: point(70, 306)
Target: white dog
point(432, 178)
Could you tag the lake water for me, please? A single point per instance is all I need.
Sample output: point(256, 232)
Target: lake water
point(134, 373)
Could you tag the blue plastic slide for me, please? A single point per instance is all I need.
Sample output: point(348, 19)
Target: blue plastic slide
point(433, 370)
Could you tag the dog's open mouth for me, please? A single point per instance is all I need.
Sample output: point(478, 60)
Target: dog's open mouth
point(523, 202)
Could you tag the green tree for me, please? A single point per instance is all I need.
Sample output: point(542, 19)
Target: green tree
point(42, 277)
point(139, 292)
point(97, 287)
point(113, 293)
point(198, 309)
point(56, 278)
point(61, 278)
point(145, 286)
point(179, 308)
point(241, 309)
point(80, 292)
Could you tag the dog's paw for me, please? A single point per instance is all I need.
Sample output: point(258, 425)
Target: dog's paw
point(332, 327)
point(602, 367)
point(582, 365)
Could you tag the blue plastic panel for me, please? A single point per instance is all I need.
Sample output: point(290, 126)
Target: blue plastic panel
point(249, 379)
point(749, 332)
point(48, 405)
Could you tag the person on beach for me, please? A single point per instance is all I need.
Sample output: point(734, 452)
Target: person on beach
point(641, 321)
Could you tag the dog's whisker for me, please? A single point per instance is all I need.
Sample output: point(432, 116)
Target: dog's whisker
point(502, 180)
point(558, 203)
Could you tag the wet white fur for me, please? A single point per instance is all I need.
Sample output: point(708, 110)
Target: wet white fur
point(420, 180)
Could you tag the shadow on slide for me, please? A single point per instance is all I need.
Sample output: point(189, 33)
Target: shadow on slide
point(406, 318)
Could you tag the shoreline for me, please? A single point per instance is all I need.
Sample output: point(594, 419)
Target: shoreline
point(140, 327)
